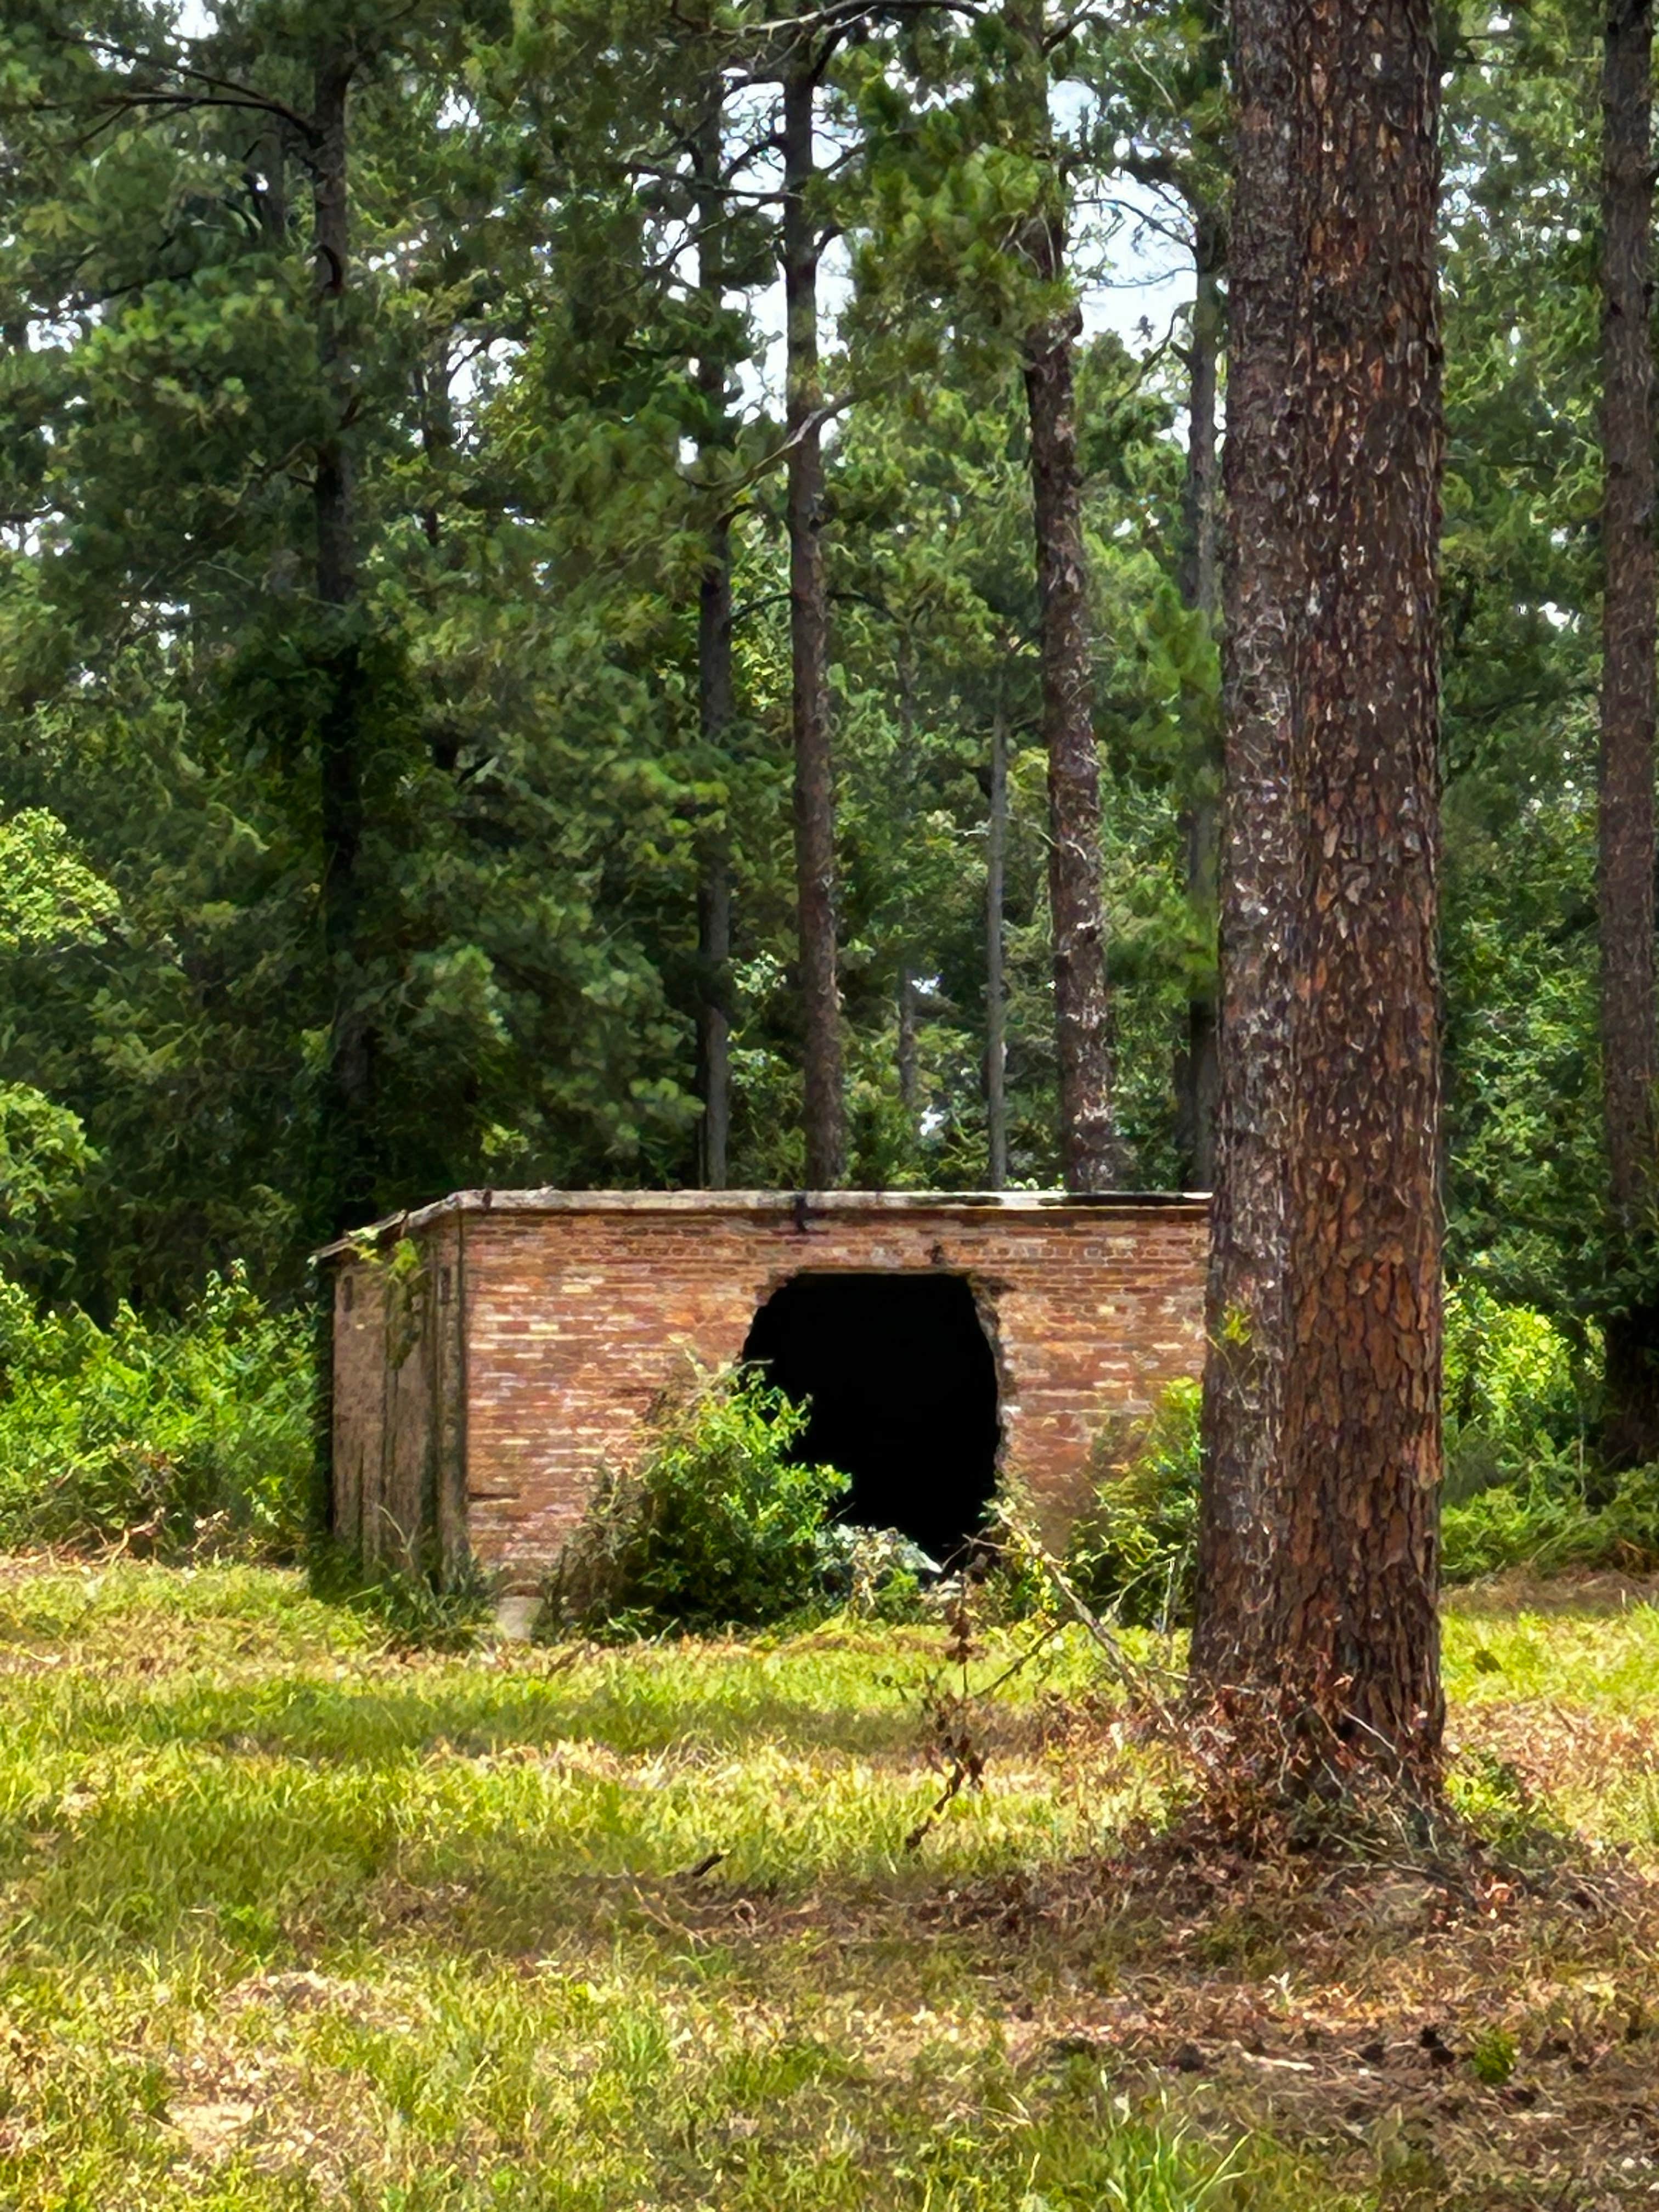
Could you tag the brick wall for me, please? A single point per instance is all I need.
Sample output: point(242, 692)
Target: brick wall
point(547, 1323)
point(399, 1481)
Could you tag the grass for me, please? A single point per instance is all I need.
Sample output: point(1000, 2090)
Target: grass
point(289, 1920)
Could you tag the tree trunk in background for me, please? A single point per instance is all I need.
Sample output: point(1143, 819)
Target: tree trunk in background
point(1201, 590)
point(1082, 1034)
point(1087, 1147)
point(1201, 565)
point(1241, 1505)
point(908, 1003)
point(1354, 1626)
point(1629, 1012)
point(435, 412)
point(996, 1006)
point(715, 886)
point(714, 696)
point(909, 1070)
point(824, 1109)
point(348, 1085)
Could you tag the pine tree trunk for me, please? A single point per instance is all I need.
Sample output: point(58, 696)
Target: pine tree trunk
point(1355, 1628)
point(1241, 1506)
point(907, 1056)
point(348, 1086)
point(436, 416)
point(1088, 1150)
point(904, 780)
point(714, 889)
point(823, 1106)
point(1200, 566)
point(714, 699)
point(1322, 1412)
point(1629, 1012)
point(996, 1005)
point(1201, 590)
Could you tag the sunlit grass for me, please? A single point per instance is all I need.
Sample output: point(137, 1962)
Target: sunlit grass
point(291, 1921)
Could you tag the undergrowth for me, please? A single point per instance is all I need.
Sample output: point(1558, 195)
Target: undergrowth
point(1522, 1487)
point(413, 1612)
point(167, 1436)
point(1134, 1550)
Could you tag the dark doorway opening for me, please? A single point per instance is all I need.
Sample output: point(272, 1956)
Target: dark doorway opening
point(903, 1393)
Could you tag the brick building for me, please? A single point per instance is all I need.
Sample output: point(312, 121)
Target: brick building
point(491, 1351)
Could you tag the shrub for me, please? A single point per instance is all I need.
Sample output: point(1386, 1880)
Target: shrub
point(1519, 1492)
point(1515, 1487)
point(1514, 1392)
point(1547, 1524)
point(161, 1430)
point(715, 1525)
point(1134, 1550)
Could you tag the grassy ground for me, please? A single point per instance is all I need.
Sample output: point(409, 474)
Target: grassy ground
point(289, 1921)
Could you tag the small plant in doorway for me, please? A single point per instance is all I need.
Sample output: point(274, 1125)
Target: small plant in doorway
point(875, 1574)
point(715, 1525)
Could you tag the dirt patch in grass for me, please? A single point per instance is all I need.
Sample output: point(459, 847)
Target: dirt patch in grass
point(1519, 1590)
point(1487, 2026)
point(1488, 2034)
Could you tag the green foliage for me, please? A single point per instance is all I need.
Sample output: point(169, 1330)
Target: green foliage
point(1134, 1550)
point(1492, 2057)
point(50, 902)
point(48, 896)
point(1490, 1794)
point(715, 1525)
point(170, 1435)
point(44, 1158)
point(1514, 1391)
point(1549, 1523)
point(1520, 1489)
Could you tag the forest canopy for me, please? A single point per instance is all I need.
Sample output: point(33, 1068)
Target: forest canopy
point(496, 298)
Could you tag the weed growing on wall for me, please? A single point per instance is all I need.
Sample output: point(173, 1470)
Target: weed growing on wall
point(1134, 1552)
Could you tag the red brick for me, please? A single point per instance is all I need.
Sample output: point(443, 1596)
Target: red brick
point(543, 1324)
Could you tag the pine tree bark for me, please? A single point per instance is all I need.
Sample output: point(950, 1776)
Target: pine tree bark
point(1630, 1007)
point(1241, 1507)
point(1201, 590)
point(823, 1104)
point(1347, 1645)
point(348, 1165)
point(1088, 1150)
point(1355, 1624)
point(714, 694)
point(1082, 1036)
